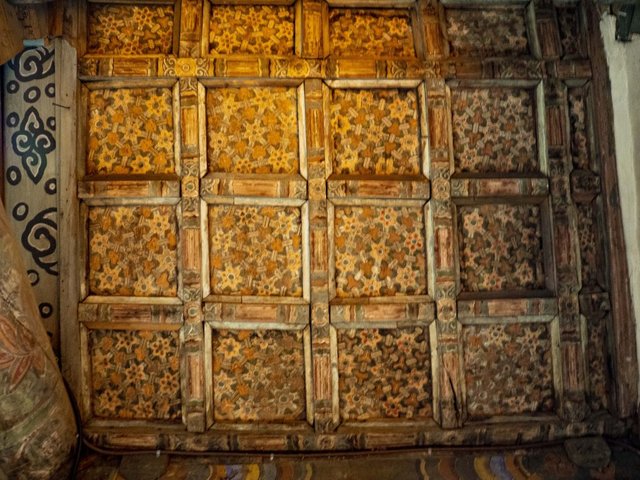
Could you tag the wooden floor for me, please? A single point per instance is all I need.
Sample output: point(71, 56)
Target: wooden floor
point(542, 463)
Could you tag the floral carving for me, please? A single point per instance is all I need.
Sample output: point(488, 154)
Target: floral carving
point(508, 369)
point(258, 375)
point(255, 250)
point(384, 373)
point(375, 131)
point(500, 247)
point(133, 251)
point(251, 29)
point(252, 130)
point(129, 29)
point(370, 32)
point(379, 251)
point(130, 131)
point(135, 374)
point(494, 130)
point(487, 32)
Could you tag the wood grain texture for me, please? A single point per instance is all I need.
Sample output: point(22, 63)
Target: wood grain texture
point(624, 349)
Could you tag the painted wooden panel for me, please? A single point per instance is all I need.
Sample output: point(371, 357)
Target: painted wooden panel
point(30, 179)
point(130, 130)
point(379, 251)
point(590, 251)
point(312, 211)
point(500, 247)
point(133, 250)
point(599, 383)
point(371, 32)
point(581, 148)
point(255, 250)
point(135, 374)
point(508, 369)
point(253, 130)
point(251, 30)
point(487, 32)
point(375, 131)
point(384, 374)
point(129, 29)
point(494, 130)
point(258, 376)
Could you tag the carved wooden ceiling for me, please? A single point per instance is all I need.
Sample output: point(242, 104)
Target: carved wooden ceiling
point(333, 225)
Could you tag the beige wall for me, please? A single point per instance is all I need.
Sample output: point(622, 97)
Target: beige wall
point(624, 71)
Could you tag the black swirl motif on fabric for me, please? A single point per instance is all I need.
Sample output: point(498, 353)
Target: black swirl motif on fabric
point(39, 239)
point(33, 64)
point(32, 142)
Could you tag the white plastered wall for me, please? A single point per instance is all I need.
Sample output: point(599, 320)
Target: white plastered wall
point(623, 59)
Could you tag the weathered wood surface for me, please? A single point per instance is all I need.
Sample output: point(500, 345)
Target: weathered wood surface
point(411, 240)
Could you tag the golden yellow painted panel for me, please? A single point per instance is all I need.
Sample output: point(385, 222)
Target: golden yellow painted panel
point(375, 131)
point(379, 251)
point(133, 251)
point(380, 33)
point(255, 250)
point(258, 375)
point(252, 130)
point(129, 29)
point(130, 131)
point(135, 374)
point(251, 29)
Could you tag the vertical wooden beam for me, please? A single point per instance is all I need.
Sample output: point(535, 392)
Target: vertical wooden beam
point(431, 20)
point(624, 355)
point(314, 29)
point(68, 211)
point(448, 396)
point(190, 31)
point(326, 414)
point(191, 95)
point(566, 249)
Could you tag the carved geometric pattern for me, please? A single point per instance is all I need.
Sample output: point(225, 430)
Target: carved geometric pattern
point(384, 373)
point(568, 23)
point(135, 374)
point(129, 29)
point(251, 30)
point(377, 33)
point(578, 128)
point(258, 375)
point(375, 131)
point(597, 363)
point(255, 250)
point(508, 369)
point(590, 261)
point(130, 131)
point(494, 130)
point(252, 130)
point(487, 32)
point(500, 247)
point(133, 251)
point(379, 251)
